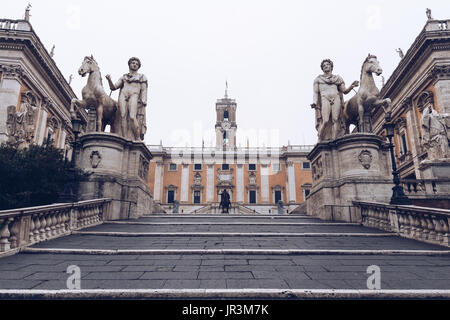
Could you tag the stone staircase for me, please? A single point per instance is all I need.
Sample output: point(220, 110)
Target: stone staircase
point(228, 255)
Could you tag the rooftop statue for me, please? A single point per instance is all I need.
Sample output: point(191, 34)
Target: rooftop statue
point(328, 102)
point(429, 14)
point(132, 100)
point(357, 109)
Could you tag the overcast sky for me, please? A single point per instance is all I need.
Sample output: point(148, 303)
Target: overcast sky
point(268, 51)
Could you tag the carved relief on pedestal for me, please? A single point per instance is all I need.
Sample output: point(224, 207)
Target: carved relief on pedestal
point(365, 158)
point(21, 124)
point(317, 169)
point(96, 158)
point(143, 168)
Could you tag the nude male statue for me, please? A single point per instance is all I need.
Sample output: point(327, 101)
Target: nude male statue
point(328, 101)
point(132, 99)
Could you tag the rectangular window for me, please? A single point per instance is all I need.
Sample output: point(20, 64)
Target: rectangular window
point(252, 196)
point(172, 167)
point(306, 193)
point(277, 196)
point(404, 144)
point(170, 196)
point(252, 167)
point(276, 167)
point(196, 196)
point(225, 166)
point(198, 166)
point(306, 165)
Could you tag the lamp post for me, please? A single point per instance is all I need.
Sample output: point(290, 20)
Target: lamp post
point(398, 195)
point(76, 129)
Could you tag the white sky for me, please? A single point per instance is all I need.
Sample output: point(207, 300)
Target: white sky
point(269, 51)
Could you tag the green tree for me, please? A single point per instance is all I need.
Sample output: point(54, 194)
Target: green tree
point(32, 176)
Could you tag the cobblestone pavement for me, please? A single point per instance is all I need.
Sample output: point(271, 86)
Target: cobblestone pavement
point(207, 270)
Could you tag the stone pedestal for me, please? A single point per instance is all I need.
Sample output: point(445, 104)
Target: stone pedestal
point(351, 168)
point(116, 168)
point(437, 171)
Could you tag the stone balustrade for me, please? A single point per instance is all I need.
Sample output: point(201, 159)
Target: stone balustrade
point(419, 223)
point(8, 24)
point(438, 25)
point(26, 226)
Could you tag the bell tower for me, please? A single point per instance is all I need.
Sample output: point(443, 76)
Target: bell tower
point(226, 122)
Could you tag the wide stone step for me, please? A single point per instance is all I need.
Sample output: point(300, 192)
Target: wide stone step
point(225, 219)
point(215, 271)
point(275, 228)
point(81, 241)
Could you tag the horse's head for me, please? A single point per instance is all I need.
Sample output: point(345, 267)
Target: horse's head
point(89, 64)
point(371, 65)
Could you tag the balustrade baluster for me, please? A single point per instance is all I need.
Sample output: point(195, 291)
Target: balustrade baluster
point(431, 230)
point(43, 222)
point(445, 230)
point(48, 229)
point(14, 228)
point(32, 229)
point(5, 245)
point(437, 227)
point(411, 228)
point(54, 221)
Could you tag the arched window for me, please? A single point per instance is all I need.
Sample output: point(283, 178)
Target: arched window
point(226, 115)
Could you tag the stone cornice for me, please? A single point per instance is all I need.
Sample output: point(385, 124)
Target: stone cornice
point(440, 72)
point(11, 71)
point(19, 40)
point(426, 42)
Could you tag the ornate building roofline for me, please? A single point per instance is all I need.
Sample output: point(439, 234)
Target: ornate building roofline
point(19, 35)
point(434, 36)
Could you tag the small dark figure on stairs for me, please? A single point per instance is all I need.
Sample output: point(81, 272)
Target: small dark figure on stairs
point(225, 201)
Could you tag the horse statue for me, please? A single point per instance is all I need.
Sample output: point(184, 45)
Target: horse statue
point(95, 97)
point(225, 201)
point(357, 110)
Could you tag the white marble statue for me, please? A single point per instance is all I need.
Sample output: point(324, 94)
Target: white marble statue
point(328, 102)
point(434, 134)
point(132, 100)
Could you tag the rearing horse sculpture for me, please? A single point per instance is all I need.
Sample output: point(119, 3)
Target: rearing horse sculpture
point(94, 96)
point(357, 110)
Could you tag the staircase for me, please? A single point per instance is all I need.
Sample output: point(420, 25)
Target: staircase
point(229, 255)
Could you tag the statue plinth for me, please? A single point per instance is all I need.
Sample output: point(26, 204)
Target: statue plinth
point(354, 167)
point(437, 174)
point(116, 168)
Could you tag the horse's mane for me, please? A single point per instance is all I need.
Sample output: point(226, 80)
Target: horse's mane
point(370, 56)
point(91, 58)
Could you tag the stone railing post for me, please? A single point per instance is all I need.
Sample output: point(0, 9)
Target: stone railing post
point(5, 234)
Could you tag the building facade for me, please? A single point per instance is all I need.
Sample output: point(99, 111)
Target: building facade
point(420, 92)
point(256, 178)
point(34, 95)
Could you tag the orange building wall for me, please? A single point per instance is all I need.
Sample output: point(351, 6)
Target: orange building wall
point(302, 176)
point(278, 178)
point(151, 177)
point(171, 178)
